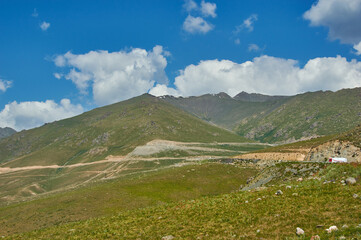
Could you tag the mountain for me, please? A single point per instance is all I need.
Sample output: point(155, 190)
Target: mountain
point(278, 118)
point(96, 144)
point(6, 132)
point(223, 110)
point(304, 116)
point(256, 97)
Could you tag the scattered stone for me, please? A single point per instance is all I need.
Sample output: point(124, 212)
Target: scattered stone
point(169, 237)
point(345, 226)
point(355, 195)
point(246, 202)
point(288, 187)
point(299, 231)
point(279, 192)
point(359, 226)
point(259, 199)
point(343, 181)
point(331, 229)
point(258, 231)
point(316, 237)
point(295, 194)
point(342, 238)
point(350, 181)
point(300, 179)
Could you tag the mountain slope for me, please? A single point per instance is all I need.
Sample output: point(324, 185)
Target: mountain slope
point(224, 110)
point(96, 146)
point(306, 115)
point(115, 129)
point(6, 132)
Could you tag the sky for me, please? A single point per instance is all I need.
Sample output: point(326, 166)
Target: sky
point(61, 58)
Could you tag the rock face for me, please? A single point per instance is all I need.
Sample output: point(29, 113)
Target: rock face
point(6, 132)
point(334, 149)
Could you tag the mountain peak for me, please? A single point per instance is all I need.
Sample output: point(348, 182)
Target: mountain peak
point(256, 97)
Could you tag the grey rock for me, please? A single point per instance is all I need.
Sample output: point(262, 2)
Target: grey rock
point(355, 195)
point(279, 192)
point(169, 237)
point(350, 181)
point(299, 231)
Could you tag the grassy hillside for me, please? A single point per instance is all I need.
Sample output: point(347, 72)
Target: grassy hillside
point(314, 204)
point(71, 152)
point(124, 193)
point(306, 115)
point(225, 111)
point(278, 118)
point(115, 129)
point(353, 136)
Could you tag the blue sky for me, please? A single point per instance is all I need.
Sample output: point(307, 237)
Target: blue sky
point(60, 58)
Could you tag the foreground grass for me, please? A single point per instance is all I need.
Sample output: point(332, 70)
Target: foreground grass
point(311, 205)
point(125, 193)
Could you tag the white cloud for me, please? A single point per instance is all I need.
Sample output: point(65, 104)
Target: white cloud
point(26, 115)
point(44, 26)
point(237, 41)
point(190, 5)
point(58, 75)
point(253, 47)
point(342, 17)
point(267, 75)
point(208, 9)
point(196, 25)
point(247, 23)
point(357, 47)
point(115, 76)
point(4, 85)
point(162, 89)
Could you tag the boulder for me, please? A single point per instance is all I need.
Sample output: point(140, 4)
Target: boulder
point(331, 229)
point(350, 181)
point(299, 231)
point(279, 192)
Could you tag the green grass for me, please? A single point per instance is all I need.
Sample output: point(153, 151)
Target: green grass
point(229, 216)
point(125, 193)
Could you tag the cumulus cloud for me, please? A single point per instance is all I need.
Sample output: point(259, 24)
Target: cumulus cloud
point(247, 24)
point(190, 5)
point(237, 41)
point(4, 85)
point(357, 47)
point(196, 25)
point(26, 115)
point(208, 9)
point(115, 76)
point(44, 26)
point(342, 17)
point(267, 75)
point(162, 90)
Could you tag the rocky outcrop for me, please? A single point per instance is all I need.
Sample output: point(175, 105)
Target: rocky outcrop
point(6, 132)
point(334, 149)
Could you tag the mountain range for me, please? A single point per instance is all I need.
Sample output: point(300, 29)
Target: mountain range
point(278, 119)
